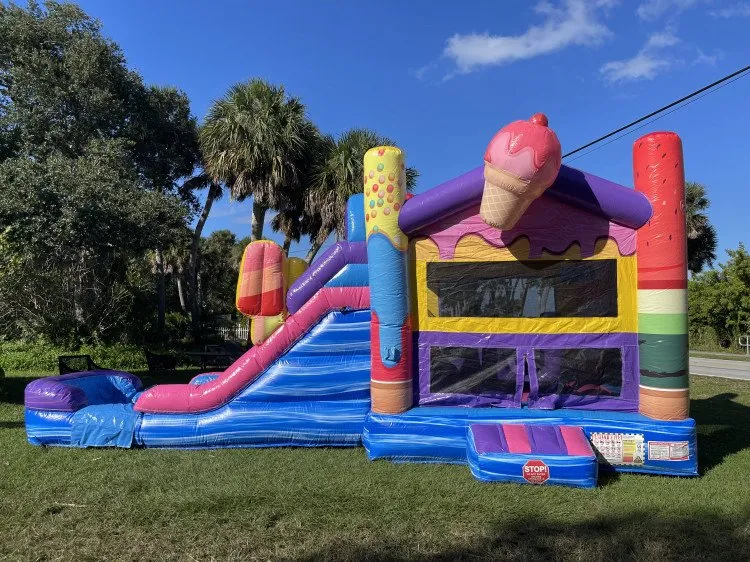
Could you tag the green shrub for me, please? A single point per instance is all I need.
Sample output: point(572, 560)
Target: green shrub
point(705, 338)
point(42, 357)
point(176, 326)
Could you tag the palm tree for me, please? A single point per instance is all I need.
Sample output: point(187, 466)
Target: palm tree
point(251, 141)
point(176, 258)
point(293, 220)
point(337, 175)
point(215, 192)
point(289, 223)
point(701, 234)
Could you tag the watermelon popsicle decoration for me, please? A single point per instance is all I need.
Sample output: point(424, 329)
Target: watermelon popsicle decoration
point(521, 162)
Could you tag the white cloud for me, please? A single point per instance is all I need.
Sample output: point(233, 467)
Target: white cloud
point(703, 58)
point(570, 22)
point(651, 10)
point(738, 10)
point(422, 71)
point(660, 40)
point(646, 64)
point(643, 66)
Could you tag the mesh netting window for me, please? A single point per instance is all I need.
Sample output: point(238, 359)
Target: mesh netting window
point(523, 289)
point(471, 370)
point(579, 372)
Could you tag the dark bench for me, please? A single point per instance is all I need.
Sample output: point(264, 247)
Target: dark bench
point(158, 363)
point(212, 359)
point(218, 356)
point(77, 364)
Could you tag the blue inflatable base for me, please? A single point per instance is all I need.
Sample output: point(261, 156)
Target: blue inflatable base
point(422, 435)
point(438, 434)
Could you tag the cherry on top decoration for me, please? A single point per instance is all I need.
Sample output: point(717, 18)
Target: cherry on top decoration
point(521, 162)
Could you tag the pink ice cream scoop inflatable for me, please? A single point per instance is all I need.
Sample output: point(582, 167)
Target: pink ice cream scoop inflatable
point(521, 162)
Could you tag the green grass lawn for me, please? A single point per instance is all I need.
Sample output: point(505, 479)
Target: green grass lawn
point(312, 504)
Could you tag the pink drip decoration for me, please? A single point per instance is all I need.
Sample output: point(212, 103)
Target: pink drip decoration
point(549, 225)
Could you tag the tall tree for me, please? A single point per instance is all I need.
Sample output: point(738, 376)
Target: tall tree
point(215, 191)
point(251, 141)
point(177, 259)
point(62, 83)
point(293, 220)
point(220, 271)
point(701, 234)
point(165, 149)
point(720, 299)
point(66, 93)
point(337, 176)
point(289, 223)
point(72, 228)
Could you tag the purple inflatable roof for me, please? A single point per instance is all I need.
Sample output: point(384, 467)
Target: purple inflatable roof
point(591, 193)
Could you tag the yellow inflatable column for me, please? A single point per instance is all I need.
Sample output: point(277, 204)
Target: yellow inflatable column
point(390, 326)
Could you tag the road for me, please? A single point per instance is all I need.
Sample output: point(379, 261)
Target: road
point(720, 368)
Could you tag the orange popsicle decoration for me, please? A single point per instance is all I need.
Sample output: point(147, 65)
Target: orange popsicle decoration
point(261, 327)
point(260, 290)
point(521, 162)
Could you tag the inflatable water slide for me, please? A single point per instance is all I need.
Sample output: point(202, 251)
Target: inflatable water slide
point(526, 319)
point(308, 384)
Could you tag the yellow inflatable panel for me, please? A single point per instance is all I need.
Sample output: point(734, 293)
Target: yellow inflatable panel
point(261, 327)
point(475, 249)
point(295, 267)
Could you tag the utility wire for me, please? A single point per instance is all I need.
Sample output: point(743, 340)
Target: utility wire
point(647, 123)
point(729, 77)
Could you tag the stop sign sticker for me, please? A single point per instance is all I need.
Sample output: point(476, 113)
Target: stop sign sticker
point(536, 472)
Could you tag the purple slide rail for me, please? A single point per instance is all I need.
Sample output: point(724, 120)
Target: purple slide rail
point(322, 271)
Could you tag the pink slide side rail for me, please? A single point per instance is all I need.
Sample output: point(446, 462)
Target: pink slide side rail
point(186, 398)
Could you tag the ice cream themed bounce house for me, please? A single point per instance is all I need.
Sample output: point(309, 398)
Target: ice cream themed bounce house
point(526, 318)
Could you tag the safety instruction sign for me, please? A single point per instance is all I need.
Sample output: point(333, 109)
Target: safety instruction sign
point(668, 451)
point(619, 448)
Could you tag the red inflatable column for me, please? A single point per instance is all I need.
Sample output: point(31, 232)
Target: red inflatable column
point(662, 278)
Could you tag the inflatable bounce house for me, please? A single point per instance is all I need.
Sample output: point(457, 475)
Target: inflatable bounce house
point(526, 318)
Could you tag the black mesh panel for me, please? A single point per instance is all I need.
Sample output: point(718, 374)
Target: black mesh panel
point(524, 289)
point(472, 370)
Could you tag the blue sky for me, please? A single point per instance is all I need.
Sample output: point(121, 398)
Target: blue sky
point(441, 77)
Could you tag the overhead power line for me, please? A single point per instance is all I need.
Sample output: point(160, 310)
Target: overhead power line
point(707, 89)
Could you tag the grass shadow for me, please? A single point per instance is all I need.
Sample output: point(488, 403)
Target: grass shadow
point(11, 389)
point(623, 536)
point(607, 477)
point(723, 428)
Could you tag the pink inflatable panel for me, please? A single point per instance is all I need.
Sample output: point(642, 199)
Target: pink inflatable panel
point(575, 440)
point(186, 398)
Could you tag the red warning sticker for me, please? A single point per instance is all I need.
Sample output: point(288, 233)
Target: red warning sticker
point(536, 472)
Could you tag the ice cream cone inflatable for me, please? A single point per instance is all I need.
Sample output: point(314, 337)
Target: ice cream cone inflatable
point(521, 162)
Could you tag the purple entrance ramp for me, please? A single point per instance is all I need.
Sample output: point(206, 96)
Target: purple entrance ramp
point(527, 453)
